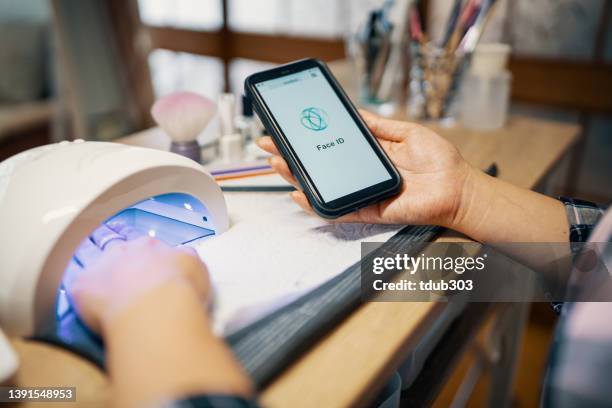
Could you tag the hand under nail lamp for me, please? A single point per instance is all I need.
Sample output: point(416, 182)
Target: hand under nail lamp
point(52, 197)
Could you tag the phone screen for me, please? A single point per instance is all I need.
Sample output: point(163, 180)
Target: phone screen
point(333, 150)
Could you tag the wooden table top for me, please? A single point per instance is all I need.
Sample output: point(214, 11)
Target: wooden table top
point(357, 356)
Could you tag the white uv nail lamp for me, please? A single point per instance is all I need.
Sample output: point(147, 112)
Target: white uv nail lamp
point(53, 197)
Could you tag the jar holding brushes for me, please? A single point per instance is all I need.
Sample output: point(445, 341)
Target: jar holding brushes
point(401, 68)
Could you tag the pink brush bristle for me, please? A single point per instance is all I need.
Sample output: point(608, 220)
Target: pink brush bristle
point(183, 115)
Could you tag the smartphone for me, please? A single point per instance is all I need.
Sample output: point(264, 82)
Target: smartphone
point(328, 147)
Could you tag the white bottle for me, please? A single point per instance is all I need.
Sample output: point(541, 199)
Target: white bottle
point(246, 124)
point(485, 91)
point(230, 142)
point(250, 128)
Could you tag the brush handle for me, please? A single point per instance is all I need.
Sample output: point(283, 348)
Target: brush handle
point(189, 149)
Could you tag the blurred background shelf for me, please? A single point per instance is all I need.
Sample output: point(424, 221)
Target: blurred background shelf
point(24, 125)
point(561, 63)
point(23, 117)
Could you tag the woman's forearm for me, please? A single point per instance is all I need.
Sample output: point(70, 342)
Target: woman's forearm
point(494, 211)
point(162, 347)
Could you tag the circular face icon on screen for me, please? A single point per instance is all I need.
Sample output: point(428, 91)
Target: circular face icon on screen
point(314, 119)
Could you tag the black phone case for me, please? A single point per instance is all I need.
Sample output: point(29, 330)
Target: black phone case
point(281, 142)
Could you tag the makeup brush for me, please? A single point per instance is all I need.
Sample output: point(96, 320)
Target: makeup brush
point(183, 116)
point(453, 18)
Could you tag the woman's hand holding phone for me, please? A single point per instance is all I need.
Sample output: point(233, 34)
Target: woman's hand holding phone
point(433, 171)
